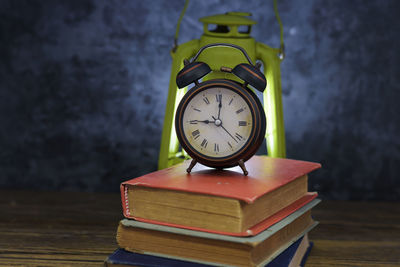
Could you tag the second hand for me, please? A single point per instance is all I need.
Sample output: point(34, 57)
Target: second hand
point(226, 130)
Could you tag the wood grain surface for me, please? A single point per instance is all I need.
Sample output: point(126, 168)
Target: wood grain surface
point(78, 229)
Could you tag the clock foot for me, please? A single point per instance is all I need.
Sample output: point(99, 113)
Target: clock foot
point(192, 163)
point(241, 165)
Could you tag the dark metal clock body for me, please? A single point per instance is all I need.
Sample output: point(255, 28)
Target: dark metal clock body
point(220, 123)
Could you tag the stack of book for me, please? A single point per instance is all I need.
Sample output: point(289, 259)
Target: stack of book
point(218, 218)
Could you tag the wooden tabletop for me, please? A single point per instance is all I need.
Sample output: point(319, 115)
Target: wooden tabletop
point(78, 229)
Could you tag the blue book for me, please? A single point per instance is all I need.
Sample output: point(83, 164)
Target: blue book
point(294, 255)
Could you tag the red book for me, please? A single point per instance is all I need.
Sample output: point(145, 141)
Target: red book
point(225, 202)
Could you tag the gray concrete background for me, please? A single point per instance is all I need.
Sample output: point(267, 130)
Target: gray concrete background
point(83, 87)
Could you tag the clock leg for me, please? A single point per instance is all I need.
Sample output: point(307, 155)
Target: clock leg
point(192, 163)
point(241, 165)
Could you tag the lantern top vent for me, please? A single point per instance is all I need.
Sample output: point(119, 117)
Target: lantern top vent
point(230, 24)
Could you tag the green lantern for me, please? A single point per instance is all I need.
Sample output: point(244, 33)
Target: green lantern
point(232, 28)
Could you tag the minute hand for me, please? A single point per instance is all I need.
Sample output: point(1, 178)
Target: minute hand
point(219, 105)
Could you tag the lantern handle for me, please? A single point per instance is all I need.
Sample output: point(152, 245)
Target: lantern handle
point(179, 25)
point(281, 54)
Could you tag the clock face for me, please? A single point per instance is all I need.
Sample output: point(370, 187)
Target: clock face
point(219, 122)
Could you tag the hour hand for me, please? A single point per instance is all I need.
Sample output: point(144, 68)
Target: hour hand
point(205, 121)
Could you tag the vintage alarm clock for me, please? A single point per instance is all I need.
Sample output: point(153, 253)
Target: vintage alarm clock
point(220, 123)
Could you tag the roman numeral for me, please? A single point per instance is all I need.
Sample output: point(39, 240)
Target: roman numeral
point(193, 122)
point(230, 102)
point(230, 145)
point(218, 97)
point(242, 123)
point(197, 109)
point(196, 134)
point(216, 147)
point(206, 100)
point(204, 143)
point(239, 110)
point(238, 136)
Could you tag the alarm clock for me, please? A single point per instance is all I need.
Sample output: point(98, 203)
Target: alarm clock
point(220, 123)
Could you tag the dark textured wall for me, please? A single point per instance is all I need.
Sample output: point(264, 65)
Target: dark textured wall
point(83, 87)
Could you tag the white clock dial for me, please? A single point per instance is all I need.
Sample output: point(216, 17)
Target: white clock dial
point(217, 122)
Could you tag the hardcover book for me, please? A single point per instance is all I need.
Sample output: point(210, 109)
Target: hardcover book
point(216, 249)
point(220, 202)
point(293, 256)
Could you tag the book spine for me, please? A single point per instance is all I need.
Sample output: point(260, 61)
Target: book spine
point(125, 201)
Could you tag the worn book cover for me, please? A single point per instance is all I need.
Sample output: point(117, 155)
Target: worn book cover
point(233, 204)
point(215, 249)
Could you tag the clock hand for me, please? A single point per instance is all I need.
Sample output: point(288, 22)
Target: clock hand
point(224, 128)
point(219, 105)
point(205, 121)
point(229, 133)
